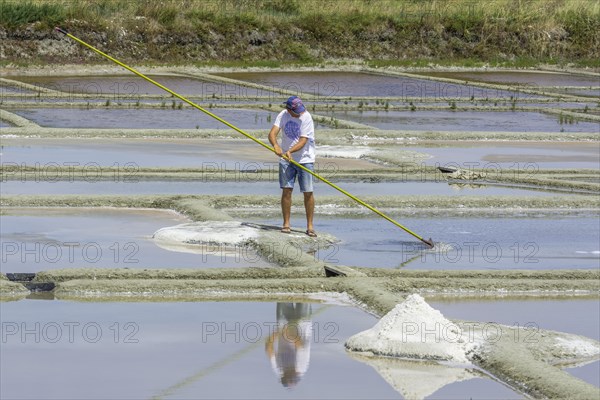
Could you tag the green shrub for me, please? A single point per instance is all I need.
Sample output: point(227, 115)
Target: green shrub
point(14, 14)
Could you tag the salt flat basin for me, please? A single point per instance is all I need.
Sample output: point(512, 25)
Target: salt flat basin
point(564, 105)
point(38, 239)
point(168, 118)
point(513, 157)
point(492, 105)
point(485, 121)
point(592, 92)
point(243, 155)
point(12, 89)
point(571, 315)
point(148, 152)
point(529, 78)
point(335, 84)
point(197, 350)
point(251, 184)
point(130, 85)
point(470, 242)
point(582, 92)
point(204, 154)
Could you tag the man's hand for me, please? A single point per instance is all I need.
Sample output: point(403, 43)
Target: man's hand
point(278, 150)
point(288, 155)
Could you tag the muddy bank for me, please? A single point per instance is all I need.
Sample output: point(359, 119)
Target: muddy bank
point(328, 137)
point(528, 366)
point(410, 204)
point(11, 290)
point(64, 275)
point(559, 181)
point(187, 204)
point(377, 288)
point(556, 276)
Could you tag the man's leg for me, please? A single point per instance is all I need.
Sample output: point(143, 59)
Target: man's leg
point(306, 186)
point(287, 178)
point(286, 206)
point(309, 207)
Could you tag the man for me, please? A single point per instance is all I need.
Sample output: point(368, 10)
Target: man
point(298, 144)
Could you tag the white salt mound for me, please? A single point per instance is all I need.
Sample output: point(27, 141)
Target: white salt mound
point(228, 233)
point(343, 151)
point(413, 329)
point(578, 347)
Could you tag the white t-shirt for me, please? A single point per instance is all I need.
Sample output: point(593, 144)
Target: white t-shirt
point(292, 130)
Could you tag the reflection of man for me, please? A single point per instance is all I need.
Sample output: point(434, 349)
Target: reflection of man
point(288, 347)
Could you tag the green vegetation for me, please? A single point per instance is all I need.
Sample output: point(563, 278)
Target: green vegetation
point(271, 33)
point(17, 14)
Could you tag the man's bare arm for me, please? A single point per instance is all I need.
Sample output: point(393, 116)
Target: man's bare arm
point(273, 140)
point(298, 146)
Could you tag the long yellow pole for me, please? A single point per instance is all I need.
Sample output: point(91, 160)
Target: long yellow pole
point(235, 128)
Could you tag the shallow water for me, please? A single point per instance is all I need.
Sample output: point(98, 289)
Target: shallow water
point(189, 350)
point(12, 90)
point(588, 372)
point(168, 118)
point(486, 121)
point(571, 315)
point(513, 159)
point(521, 78)
point(115, 86)
point(583, 92)
point(126, 183)
point(198, 153)
point(4, 124)
point(335, 84)
point(563, 105)
point(42, 239)
point(476, 243)
point(242, 155)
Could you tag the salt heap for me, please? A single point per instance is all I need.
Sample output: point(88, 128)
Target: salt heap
point(413, 329)
point(228, 233)
point(344, 151)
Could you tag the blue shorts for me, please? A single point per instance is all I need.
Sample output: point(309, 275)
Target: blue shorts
point(288, 173)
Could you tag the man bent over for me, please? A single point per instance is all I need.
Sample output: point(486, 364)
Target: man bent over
point(298, 144)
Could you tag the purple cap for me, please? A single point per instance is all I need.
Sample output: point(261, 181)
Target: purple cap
point(295, 104)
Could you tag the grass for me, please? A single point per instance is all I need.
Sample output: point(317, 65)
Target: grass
point(17, 14)
point(517, 33)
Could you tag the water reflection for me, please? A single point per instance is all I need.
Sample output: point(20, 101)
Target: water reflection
point(288, 347)
point(419, 380)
